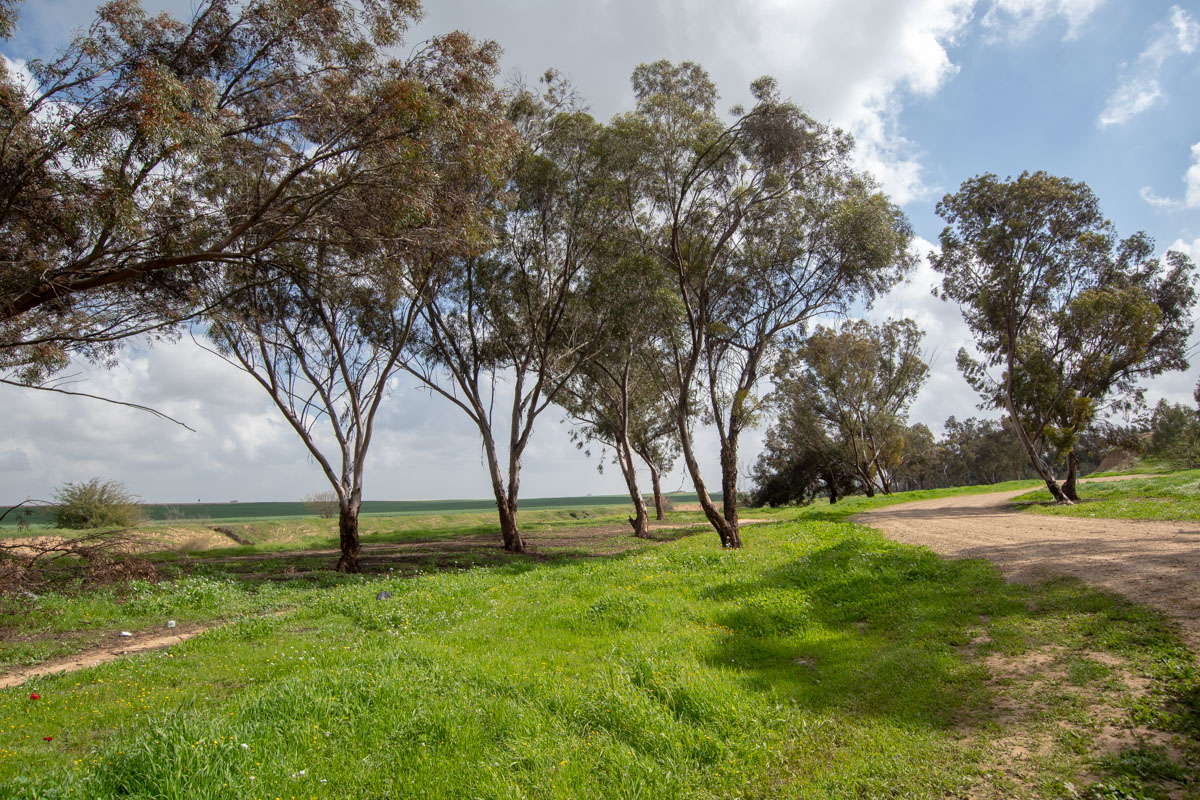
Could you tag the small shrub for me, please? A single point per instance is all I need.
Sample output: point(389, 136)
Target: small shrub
point(323, 504)
point(96, 503)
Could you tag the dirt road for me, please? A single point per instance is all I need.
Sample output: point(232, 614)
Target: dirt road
point(1155, 563)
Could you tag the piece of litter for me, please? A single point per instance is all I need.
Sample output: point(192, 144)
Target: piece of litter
point(170, 623)
point(126, 633)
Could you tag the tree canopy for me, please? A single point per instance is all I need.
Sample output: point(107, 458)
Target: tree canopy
point(1066, 318)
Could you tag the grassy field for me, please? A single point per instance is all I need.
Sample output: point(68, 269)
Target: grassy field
point(1170, 496)
point(185, 513)
point(821, 661)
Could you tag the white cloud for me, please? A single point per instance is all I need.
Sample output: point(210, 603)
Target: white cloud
point(1167, 203)
point(852, 63)
point(1189, 249)
point(1023, 17)
point(1191, 194)
point(1131, 98)
point(1192, 179)
point(1139, 88)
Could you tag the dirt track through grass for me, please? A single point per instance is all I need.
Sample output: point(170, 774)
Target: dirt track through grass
point(1151, 562)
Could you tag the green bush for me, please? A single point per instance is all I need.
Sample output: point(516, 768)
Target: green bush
point(1175, 437)
point(96, 503)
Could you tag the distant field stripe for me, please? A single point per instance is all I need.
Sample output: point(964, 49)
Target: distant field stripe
point(229, 512)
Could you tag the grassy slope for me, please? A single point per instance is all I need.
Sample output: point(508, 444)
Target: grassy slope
point(1171, 496)
point(821, 661)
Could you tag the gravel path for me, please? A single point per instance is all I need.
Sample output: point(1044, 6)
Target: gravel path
point(1151, 562)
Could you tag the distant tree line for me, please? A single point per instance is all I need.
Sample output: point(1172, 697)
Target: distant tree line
point(271, 178)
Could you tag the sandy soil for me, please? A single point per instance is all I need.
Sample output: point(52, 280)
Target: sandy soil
point(141, 642)
point(1151, 562)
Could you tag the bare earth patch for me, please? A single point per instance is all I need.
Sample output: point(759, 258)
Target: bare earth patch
point(1040, 717)
point(113, 648)
point(1151, 562)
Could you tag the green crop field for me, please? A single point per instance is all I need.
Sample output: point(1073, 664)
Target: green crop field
point(253, 511)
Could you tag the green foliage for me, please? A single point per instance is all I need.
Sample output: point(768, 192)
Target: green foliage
point(1066, 318)
point(842, 397)
point(213, 135)
point(96, 503)
point(1175, 435)
point(760, 223)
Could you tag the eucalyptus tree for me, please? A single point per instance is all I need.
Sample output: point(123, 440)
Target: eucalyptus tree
point(321, 316)
point(856, 384)
point(153, 152)
point(325, 350)
point(1066, 318)
point(762, 224)
point(514, 313)
point(614, 397)
point(799, 459)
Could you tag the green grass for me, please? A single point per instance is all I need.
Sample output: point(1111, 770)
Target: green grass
point(1170, 496)
point(822, 661)
point(849, 506)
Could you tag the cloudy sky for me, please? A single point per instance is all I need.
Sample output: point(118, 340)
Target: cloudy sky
point(935, 92)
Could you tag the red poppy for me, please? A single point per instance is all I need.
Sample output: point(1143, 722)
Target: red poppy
point(47, 738)
point(35, 696)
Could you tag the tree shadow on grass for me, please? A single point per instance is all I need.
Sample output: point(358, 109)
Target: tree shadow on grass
point(883, 630)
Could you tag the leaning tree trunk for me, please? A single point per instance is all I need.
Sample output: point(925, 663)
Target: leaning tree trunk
point(1068, 486)
point(711, 513)
point(641, 520)
point(1039, 466)
point(348, 535)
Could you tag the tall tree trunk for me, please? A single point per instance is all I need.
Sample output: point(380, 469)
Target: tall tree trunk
point(711, 513)
point(1039, 466)
point(729, 478)
point(506, 502)
point(1068, 486)
point(656, 482)
point(348, 534)
point(641, 520)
